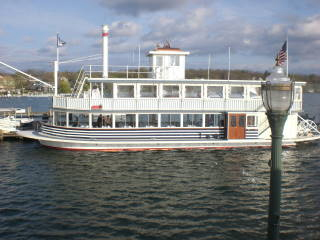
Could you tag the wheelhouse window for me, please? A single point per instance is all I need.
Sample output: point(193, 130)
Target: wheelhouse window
point(159, 61)
point(78, 120)
point(148, 91)
point(170, 91)
point(95, 92)
point(125, 91)
point(148, 120)
point(193, 91)
point(252, 121)
point(108, 90)
point(170, 120)
point(254, 92)
point(60, 119)
point(214, 120)
point(192, 120)
point(174, 60)
point(125, 120)
point(215, 91)
point(101, 120)
point(236, 92)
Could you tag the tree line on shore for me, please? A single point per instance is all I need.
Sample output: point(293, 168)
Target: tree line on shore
point(67, 79)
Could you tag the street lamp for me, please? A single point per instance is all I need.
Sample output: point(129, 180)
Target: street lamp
point(277, 97)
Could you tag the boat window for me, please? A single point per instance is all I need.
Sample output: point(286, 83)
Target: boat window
point(254, 92)
point(192, 120)
point(170, 120)
point(297, 93)
point(95, 92)
point(101, 120)
point(214, 120)
point(236, 92)
point(125, 91)
point(174, 60)
point(170, 91)
point(78, 120)
point(233, 121)
point(148, 91)
point(242, 121)
point(148, 120)
point(60, 119)
point(193, 91)
point(108, 90)
point(215, 91)
point(252, 121)
point(125, 120)
point(159, 61)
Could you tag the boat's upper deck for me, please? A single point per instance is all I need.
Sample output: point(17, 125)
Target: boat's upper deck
point(114, 94)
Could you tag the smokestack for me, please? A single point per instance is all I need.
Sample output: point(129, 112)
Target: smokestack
point(105, 38)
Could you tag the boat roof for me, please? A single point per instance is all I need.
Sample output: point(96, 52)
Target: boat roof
point(182, 81)
point(16, 110)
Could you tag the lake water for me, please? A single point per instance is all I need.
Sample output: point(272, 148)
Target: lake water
point(207, 194)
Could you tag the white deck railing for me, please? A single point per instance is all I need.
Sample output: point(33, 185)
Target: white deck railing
point(110, 104)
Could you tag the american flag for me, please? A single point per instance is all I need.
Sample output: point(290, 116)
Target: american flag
point(282, 55)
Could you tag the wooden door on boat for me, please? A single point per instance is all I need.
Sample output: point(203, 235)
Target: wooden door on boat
point(236, 126)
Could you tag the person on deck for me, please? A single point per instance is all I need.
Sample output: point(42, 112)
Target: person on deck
point(99, 121)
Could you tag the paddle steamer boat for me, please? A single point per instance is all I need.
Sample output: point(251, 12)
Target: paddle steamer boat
point(156, 107)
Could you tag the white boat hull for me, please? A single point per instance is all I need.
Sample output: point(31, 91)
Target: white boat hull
point(151, 144)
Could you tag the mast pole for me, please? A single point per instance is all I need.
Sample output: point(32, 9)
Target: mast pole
point(287, 56)
point(209, 63)
point(229, 65)
point(139, 63)
point(56, 68)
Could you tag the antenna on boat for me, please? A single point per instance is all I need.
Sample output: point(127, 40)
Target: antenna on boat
point(209, 63)
point(287, 56)
point(229, 65)
point(139, 63)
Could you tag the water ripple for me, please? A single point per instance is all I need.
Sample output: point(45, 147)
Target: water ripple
point(48, 194)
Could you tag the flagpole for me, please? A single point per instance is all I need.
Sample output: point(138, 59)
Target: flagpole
point(229, 66)
point(56, 68)
point(139, 63)
point(287, 56)
point(209, 62)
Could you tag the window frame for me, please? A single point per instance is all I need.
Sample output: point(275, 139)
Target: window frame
point(237, 86)
point(170, 85)
point(127, 85)
point(192, 85)
point(256, 119)
point(151, 85)
point(223, 91)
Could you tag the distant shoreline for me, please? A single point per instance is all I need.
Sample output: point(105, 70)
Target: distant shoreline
point(17, 96)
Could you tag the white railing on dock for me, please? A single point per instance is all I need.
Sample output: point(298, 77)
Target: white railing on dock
point(110, 104)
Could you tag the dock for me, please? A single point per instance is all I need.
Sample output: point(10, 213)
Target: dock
point(8, 135)
point(35, 116)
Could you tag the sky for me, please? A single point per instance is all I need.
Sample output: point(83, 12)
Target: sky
point(253, 29)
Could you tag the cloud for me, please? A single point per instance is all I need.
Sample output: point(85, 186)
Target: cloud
point(139, 6)
point(1, 32)
point(124, 29)
point(181, 27)
point(309, 28)
point(117, 29)
point(27, 39)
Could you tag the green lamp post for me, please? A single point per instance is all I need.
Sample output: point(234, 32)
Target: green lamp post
point(277, 97)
